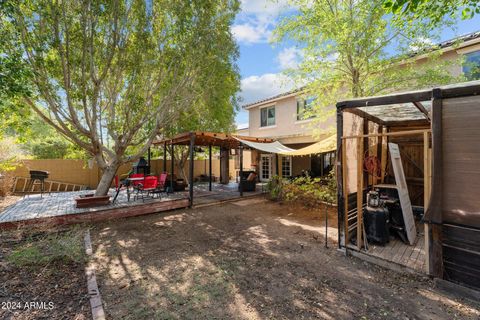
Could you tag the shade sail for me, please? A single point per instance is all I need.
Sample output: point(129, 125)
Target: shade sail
point(326, 145)
point(271, 147)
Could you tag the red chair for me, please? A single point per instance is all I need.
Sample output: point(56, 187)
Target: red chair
point(147, 188)
point(137, 175)
point(162, 181)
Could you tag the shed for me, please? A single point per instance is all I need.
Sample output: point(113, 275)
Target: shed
point(438, 134)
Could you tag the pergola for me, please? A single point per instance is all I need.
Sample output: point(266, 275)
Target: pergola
point(224, 141)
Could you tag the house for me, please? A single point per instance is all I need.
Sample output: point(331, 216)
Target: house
point(281, 117)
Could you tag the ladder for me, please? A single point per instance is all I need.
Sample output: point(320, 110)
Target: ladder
point(22, 185)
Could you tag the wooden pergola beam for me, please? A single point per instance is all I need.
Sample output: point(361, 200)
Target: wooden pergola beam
point(422, 109)
point(209, 139)
point(363, 114)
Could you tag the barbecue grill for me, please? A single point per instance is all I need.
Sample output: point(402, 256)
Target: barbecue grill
point(141, 166)
point(37, 178)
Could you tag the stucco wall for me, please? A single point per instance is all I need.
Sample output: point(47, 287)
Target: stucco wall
point(287, 128)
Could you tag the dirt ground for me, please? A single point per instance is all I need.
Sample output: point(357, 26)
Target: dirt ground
point(251, 260)
point(54, 291)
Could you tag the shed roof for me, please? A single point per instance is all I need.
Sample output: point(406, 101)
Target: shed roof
point(410, 106)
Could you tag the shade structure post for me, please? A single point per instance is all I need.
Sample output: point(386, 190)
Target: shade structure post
point(190, 182)
point(224, 165)
point(172, 167)
point(276, 165)
point(165, 156)
point(341, 195)
point(210, 168)
point(149, 158)
point(240, 186)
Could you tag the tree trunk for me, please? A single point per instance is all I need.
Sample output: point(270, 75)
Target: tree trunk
point(106, 180)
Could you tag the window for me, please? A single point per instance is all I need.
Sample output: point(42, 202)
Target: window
point(286, 166)
point(328, 162)
point(304, 108)
point(471, 66)
point(267, 117)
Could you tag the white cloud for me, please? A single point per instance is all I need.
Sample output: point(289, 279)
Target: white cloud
point(256, 88)
point(257, 19)
point(289, 58)
point(421, 43)
point(252, 32)
point(263, 7)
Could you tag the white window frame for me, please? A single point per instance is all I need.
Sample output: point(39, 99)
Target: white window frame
point(301, 108)
point(465, 67)
point(267, 123)
point(270, 163)
point(289, 158)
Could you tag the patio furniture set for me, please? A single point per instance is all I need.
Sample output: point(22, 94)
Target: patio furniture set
point(143, 186)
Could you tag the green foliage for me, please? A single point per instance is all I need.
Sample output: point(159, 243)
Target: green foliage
point(10, 154)
point(50, 248)
point(112, 75)
point(274, 187)
point(41, 141)
point(346, 48)
point(49, 148)
point(307, 191)
point(432, 11)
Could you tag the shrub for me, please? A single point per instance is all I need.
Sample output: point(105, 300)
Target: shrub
point(274, 188)
point(48, 248)
point(308, 191)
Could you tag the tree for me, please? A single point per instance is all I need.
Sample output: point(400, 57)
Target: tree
point(347, 52)
point(111, 75)
point(14, 75)
point(433, 11)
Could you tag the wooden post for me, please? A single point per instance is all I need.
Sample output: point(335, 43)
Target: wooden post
point(384, 159)
point(190, 183)
point(341, 177)
point(434, 212)
point(344, 191)
point(426, 195)
point(276, 165)
point(359, 193)
point(241, 170)
point(172, 167)
point(224, 165)
point(210, 168)
point(165, 156)
point(366, 147)
point(149, 158)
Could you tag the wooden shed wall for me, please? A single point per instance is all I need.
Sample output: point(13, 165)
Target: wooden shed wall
point(461, 184)
point(412, 154)
point(461, 161)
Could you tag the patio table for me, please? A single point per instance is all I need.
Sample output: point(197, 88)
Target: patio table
point(126, 183)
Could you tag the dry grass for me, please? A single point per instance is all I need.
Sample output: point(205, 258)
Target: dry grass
point(39, 248)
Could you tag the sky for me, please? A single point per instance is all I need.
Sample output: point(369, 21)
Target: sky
point(261, 63)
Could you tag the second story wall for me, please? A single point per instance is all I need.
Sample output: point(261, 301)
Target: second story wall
point(286, 128)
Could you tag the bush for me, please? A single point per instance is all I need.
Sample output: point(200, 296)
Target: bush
point(308, 191)
point(274, 188)
point(49, 248)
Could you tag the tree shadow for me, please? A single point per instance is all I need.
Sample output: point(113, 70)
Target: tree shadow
point(247, 262)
